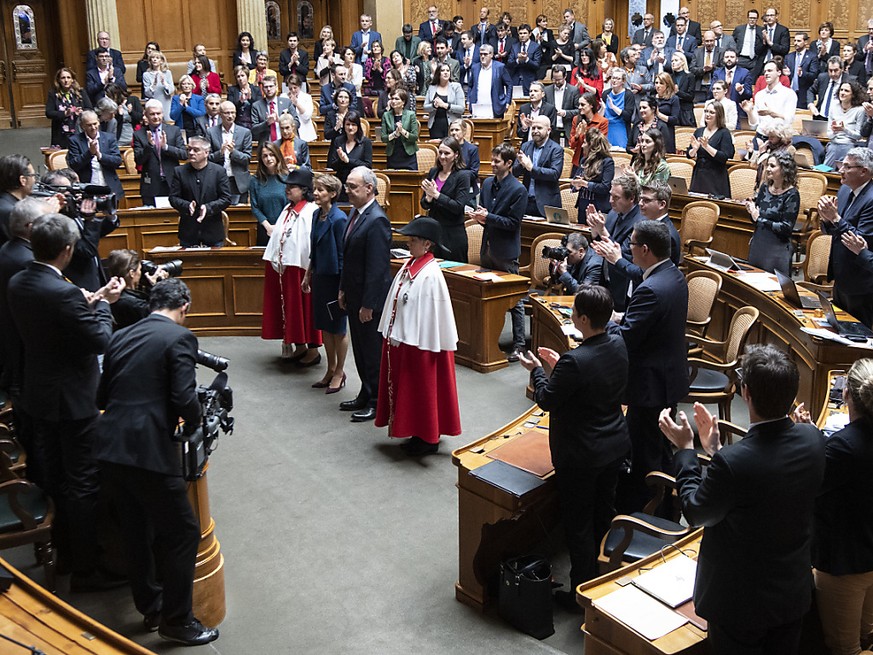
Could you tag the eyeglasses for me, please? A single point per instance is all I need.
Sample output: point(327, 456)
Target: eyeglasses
point(846, 167)
point(29, 175)
point(351, 187)
point(635, 243)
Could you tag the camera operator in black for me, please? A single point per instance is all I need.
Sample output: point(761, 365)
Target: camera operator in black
point(133, 305)
point(148, 383)
point(84, 269)
point(581, 266)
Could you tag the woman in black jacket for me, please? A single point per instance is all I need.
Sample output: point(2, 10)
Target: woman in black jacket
point(350, 150)
point(684, 89)
point(63, 105)
point(446, 192)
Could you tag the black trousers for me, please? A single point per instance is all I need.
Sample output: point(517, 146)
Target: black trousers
point(587, 501)
point(860, 306)
point(367, 346)
point(62, 463)
point(161, 535)
point(650, 452)
point(517, 311)
point(753, 640)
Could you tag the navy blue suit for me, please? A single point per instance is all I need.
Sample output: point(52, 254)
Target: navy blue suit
point(525, 71)
point(853, 282)
point(425, 30)
point(689, 44)
point(741, 76)
point(357, 43)
point(545, 174)
point(117, 61)
point(808, 74)
point(325, 102)
point(466, 74)
point(96, 88)
point(79, 159)
point(620, 232)
point(501, 88)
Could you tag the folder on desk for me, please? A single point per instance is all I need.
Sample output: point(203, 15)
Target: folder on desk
point(509, 478)
point(672, 582)
point(530, 452)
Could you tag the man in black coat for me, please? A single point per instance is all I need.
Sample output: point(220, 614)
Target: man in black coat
point(502, 204)
point(755, 502)
point(566, 105)
point(653, 328)
point(63, 330)
point(17, 178)
point(200, 191)
point(104, 42)
point(148, 383)
point(777, 39)
point(750, 44)
point(293, 60)
point(588, 435)
point(583, 266)
point(530, 110)
point(364, 282)
point(694, 28)
point(157, 148)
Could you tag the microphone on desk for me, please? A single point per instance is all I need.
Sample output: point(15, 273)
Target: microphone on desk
point(32, 649)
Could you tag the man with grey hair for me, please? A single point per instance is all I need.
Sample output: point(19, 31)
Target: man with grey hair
point(105, 41)
point(63, 329)
point(157, 148)
point(850, 215)
point(200, 191)
point(212, 118)
point(231, 146)
point(94, 155)
point(531, 110)
point(364, 283)
point(490, 84)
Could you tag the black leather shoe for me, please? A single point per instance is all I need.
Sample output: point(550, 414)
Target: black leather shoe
point(151, 621)
point(301, 363)
point(567, 601)
point(190, 634)
point(513, 356)
point(415, 447)
point(95, 581)
point(367, 414)
point(352, 405)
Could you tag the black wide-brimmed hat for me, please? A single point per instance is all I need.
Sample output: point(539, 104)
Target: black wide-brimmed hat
point(424, 227)
point(301, 177)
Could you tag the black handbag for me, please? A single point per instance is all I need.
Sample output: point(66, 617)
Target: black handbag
point(525, 596)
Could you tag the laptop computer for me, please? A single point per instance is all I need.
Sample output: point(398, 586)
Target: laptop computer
point(678, 185)
point(792, 295)
point(557, 215)
point(724, 262)
point(849, 329)
point(814, 128)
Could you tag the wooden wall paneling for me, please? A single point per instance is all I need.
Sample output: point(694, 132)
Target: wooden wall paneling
point(72, 30)
point(248, 294)
point(798, 17)
point(211, 294)
point(134, 28)
point(735, 14)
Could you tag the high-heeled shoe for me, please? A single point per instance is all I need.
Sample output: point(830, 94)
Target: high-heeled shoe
point(330, 390)
point(321, 384)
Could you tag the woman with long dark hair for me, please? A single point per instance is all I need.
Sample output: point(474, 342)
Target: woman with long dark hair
point(774, 212)
point(587, 75)
point(649, 163)
point(267, 191)
point(595, 173)
point(245, 53)
point(712, 146)
point(205, 81)
point(63, 105)
point(446, 192)
point(350, 149)
point(143, 64)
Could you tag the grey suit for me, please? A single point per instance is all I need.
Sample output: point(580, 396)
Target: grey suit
point(260, 111)
point(239, 156)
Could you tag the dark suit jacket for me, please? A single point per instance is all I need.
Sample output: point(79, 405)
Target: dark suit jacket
point(210, 188)
point(84, 269)
point(524, 72)
point(545, 174)
point(300, 68)
point(146, 157)
point(587, 271)
point(508, 44)
point(15, 256)
point(833, 51)
point(360, 155)
point(741, 76)
point(739, 35)
point(693, 30)
point(583, 396)
point(95, 87)
point(819, 90)
point(448, 210)
point(480, 36)
point(357, 43)
point(643, 39)
point(546, 109)
point(7, 204)
point(689, 43)
point(326, 242)
point(148, 383)
point(808, 73)
point(325, 102)
point(117, 61)
point(501, 88)
point(425, 31)
point(233, 95)
point(653, 328)
point(501, 236)
point(366, 268)
point(755, 501)
point(62, 337)
point(781, 41)
point(842, 538)
point(696, 63)
point(634, 273)
point(570, 105)
point(79, 159)
point(239, 156)
point(202, 125)
point(668, 56)
point(620, 233)
point(845, 267)
point(260, 110)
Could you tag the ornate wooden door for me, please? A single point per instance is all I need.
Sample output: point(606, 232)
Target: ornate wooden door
point(26, 63)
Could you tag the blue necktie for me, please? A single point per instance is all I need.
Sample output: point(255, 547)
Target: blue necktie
point(535, 158)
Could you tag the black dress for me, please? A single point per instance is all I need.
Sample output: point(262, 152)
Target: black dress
point(597, 191)
point(440, 127)
point(360, 155)
point(770, 248)
point(710, 174)
point(685, 93)
point(448, 210)
point(670, 108)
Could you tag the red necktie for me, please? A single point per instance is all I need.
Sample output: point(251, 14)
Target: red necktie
point(433, 27)
point(274, 128)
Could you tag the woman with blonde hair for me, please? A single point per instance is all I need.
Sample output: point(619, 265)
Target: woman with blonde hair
point(157, 82)
point(186, 106)
point(684, 89)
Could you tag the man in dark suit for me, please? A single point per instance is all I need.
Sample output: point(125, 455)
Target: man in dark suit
point(325, 102)
point(433, 27)
point(293, 60)
point(503, 43)
point(483, 31)
point(63, 330)
point(739, 81)
point(588, 435)
point(702, 65)
point(750, 44)
point(822, 95)
point(564, 98)
point(617, 226)
point(643, 36)
point(493, 78)
point(653, 328)
point(692, 26)
point(212, 117)
point(539, 164)
point(153, 363)
point(17, 178)
point(363, 39)
point(530, 110)
point(801, 67)
point(90, 147)
point(681, 41)
point(864, 51)
point(851, 211)
point(200, 191)
point(777, 40)
point(98, 78)
point(760, 489)
point(524, 59)
point(231, 148)
point(104, 42)
point(266, 111)
point(157, 149)
point(657, 58)
point(722, 41)
point(501, 208)
point(467, 55)
point(364, 282)
point(582, 266)
point(579, 34)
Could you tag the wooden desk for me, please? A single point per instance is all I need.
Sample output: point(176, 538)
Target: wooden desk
point(606, 635)
point(227, 289)
point(33, 616)
point(480, 312)
point(493, 524)
point(780, 326)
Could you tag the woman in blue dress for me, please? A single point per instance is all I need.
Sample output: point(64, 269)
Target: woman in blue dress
point(618, 108)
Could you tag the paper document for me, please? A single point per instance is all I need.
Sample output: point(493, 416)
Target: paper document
point(482, 110)
point(640, 612)
point(672, 582)
point(761, 281)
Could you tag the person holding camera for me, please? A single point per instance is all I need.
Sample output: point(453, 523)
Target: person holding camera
point(575, 264)
point(148, 383)
point(133, 305)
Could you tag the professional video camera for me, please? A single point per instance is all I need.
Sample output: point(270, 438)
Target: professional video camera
point(172, 267)
point(196, 442)
point(76, 193)
point(558, 254)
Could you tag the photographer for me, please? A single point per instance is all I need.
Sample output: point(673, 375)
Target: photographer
point(581, 265)
point(84, 269)
point(148, 383)
point(133, 305)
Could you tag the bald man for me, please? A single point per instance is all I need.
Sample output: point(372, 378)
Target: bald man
point(539, 164)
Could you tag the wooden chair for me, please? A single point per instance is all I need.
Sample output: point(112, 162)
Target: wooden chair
point(713, 379)
point(697, 225)
point(567, 170)
point(620, 158)
point(683, 138)
point(426, 157)
point(568, 202)
point(698, 115)
point(383, 187)
point(703, 289)
point(681, 167)
point(365, 127)
point(815, 266)
point(741, 139)
point(128, 161)
point(225, 221)
point(812, 187)
point(538, 269)
point(57, 160)
point(474, 241)
point(469, 129)
point(742, 178)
